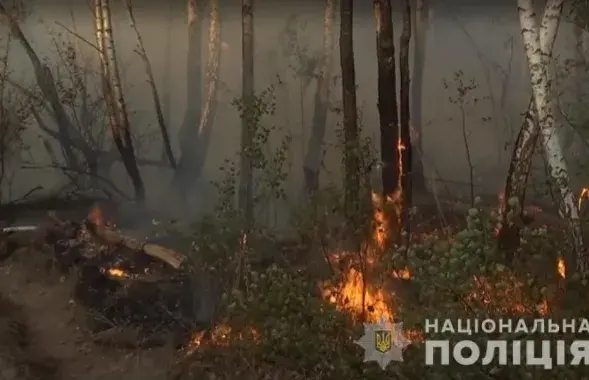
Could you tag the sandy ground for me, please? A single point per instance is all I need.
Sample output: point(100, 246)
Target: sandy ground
point(58, 328)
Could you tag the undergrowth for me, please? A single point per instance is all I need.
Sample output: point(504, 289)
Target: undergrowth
point(276, 321)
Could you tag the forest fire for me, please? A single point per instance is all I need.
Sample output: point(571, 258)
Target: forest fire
point(353, 293)
point(222, 335)
point(510, 300)
point(365, 301)
point(354, 296)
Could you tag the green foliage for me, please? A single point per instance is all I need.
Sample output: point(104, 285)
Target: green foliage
point(456, 276)
point(268, 164)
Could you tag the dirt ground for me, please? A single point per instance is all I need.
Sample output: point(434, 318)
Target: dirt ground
point(57, 326)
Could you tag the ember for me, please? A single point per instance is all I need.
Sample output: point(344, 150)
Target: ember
point(96, 216)
point(222, 336)
point(115, 272)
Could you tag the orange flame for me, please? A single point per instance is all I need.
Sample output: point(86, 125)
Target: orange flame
point(116, 272)
point(351, 294)
point(584, 194)
point(402, 274)
point(380, 222)
point(382, 208)
point(561, 268)
point(221, 336)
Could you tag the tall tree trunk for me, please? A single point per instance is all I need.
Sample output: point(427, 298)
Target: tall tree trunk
point(245, 198)
point(350, 122)
point(388, 115)
point(577, 146)
point(419, 48)
point(543, 100)
point(213, 67)
point(120, 126)
point(387, 97)
point(405, 147)
point(188, 133)
point(526, 141)
point(167, 69)
point(314, 154)
point(151, 80)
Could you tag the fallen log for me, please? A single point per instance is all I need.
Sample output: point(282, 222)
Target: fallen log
point(112, 237)
point(127, 282)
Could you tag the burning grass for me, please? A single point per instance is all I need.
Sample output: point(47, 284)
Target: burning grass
point(286, 327)
point(276, 320)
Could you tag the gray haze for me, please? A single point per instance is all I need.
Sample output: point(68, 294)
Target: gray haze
point(474, 40)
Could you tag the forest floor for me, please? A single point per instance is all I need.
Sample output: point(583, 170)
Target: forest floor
point(37, 297)
point(57, 328)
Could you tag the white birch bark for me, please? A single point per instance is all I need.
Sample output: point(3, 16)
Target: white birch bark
point(548, 32)
point(521, 159)
point(535, 39)
point(115, 81)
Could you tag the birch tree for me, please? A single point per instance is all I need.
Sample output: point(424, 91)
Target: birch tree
point(213, 67)
point(192, 161)
point(315, 148)
point(526, 141)
point(188, 133)
point(543, 100)
point(119, 118)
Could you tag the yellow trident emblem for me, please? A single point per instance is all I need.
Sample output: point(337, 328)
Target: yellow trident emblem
point(383, 341)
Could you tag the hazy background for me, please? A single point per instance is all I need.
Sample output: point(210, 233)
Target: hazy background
point(482, 41)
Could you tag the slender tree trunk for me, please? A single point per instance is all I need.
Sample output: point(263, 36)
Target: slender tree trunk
point(521, 159)
point(405, 147)
point(213, 67)
point(577, 147)
point(67, 135)
point(314, 154)
point(543, 100)
point(120, 129)
point(388, 116)
point(387, 97)
point(350, 122)
point(419, 48)
point(245, 199)
point(151, 80)
point(167, 80)
point(188, 133)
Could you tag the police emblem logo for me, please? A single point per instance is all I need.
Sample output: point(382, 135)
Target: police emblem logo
point(383, 341)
